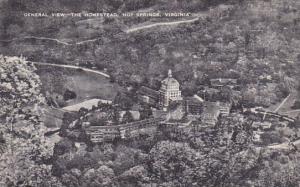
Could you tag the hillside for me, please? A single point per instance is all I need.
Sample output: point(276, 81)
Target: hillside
point(24, 148)
point(262, 32)
point(256, 43)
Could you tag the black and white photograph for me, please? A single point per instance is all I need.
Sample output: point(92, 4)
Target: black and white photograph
point(149, 93)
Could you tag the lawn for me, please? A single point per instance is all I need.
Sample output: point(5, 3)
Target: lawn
point(56, 80)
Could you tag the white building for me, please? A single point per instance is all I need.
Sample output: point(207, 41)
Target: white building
point(169, 91)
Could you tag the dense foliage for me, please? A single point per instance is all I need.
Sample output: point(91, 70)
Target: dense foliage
point(256, 42)
point(24, 147)
point(253, 41)
point(220, 156)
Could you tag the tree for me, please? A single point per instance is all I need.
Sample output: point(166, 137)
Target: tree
point(103, 176)
point(173, 162)
point(226, 94)
point(69, 95)
point(146, 112)
point(135, 176)
point(127, 117)
point(124, 101)
point(14, 30)
point(26, 147)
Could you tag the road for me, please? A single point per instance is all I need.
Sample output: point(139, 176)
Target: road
point(87, 41)
point(258, 110)
point(73, 67)
point(38, 38)
point(44, 38)
point(291, 111)
point(284, 145)
point(95, 39)
point(53, 39)
point(63, 42)
point(160, 24)
point(282, 103)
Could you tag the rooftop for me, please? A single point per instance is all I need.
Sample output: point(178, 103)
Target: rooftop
point(194, 100)
point(148, 92)
point(170, 81)
point(222, 81)
point(86, 104)
point(210, 108)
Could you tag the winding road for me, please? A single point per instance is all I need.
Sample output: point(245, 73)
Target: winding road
point(160, 24)
point(38, 38)
point(87, 41)
point(73, 67)
point(52, 39)
point(137, 28)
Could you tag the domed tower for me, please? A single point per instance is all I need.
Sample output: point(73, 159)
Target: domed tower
point(169, 91)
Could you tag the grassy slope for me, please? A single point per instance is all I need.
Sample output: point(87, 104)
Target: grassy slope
point(85, 85)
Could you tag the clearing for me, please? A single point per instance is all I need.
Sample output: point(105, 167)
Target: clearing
point(86, 85)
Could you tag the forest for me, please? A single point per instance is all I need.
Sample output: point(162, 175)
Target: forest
point(256, 42)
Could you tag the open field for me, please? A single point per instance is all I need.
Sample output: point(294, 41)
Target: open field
point(56, 80)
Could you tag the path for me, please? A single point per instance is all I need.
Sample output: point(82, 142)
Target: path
point(44, 38)
point(291, 111)
point(73, 67)
point(53, 39)
point(285, 145)
point(87, 41)
point(265, 112)
point(95, 39)
point(61, 41)
point(160, 24)
point(38, 38)
point(282, 103)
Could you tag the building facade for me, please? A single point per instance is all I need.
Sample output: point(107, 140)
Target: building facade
point(210, 113)
point(148, 95)
point(193, 106)
point(169, 91)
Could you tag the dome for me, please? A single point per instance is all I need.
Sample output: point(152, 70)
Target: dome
point(169, 91)
point(170, 82)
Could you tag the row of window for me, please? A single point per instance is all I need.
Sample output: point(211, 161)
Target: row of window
point(173, 94)
point(173, 87)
